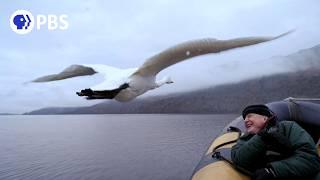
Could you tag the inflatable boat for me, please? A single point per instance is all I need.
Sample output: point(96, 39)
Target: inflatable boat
point(216, 162)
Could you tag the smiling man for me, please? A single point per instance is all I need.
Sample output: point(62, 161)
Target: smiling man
point(273, 149)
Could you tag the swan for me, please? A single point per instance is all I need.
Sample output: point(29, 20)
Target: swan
point(126, 84)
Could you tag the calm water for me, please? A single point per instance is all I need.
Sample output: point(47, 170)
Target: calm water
point(156, 147)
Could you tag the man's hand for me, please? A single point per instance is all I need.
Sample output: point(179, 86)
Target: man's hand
point(263, 174)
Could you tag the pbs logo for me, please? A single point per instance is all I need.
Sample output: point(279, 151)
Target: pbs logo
point(23, 22)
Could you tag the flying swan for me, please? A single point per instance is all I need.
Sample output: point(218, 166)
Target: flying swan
point(127, 84)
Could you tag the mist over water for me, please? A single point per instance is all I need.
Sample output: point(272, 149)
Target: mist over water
point(105, 146)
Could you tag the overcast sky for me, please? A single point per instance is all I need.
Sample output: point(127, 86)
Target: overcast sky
point(124, 33)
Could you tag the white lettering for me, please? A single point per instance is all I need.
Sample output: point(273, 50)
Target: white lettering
point(41, 20)
point(64, 23)
point(52, 22)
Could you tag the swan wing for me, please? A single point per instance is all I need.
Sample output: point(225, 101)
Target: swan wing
point(70, 72)
point(113, 77)
point(193, 48)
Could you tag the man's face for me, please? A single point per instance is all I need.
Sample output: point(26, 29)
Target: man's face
point(255, 122)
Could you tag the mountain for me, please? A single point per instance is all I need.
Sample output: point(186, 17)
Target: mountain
point(5, 114)
point(303, 59)
point(230, 98)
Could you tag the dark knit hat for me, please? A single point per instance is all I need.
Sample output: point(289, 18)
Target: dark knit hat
point(257, 109)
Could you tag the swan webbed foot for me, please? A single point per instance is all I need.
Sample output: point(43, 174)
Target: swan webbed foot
point(85, 92)
point(123, 86)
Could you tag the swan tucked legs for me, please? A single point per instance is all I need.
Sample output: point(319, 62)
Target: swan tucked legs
point(105, 94)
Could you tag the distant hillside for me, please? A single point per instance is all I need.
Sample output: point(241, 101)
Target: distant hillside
point(5, 114)
point(303, 59)
point(229, 98)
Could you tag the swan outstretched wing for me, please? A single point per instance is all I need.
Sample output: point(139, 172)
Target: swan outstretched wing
point(190, 49)
point(113, 77)
point(69, 72)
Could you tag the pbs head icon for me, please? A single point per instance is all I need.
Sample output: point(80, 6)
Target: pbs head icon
point(23, 22)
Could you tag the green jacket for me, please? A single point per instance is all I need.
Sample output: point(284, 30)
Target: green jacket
point(250, 153)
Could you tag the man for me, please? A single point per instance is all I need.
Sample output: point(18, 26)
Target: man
point(274, 150)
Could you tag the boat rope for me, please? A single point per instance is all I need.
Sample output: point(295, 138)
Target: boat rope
point(230, 129)
point(217, 154)
point(302, 99)
point(294, 110)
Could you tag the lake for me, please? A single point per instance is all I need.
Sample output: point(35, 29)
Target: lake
point(112, 147)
